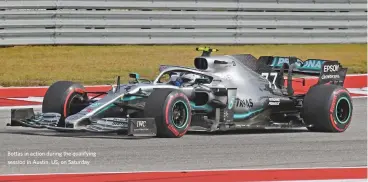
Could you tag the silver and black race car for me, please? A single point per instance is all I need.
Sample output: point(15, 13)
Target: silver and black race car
point(222, 92)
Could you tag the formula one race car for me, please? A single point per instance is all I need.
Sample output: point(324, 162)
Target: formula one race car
point(222, 92)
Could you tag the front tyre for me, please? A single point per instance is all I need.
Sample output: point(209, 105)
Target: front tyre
point(328, 108)
point(65, 98)
point(171, 110)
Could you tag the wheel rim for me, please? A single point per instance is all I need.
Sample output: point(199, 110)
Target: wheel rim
point(342, 110)
point(75, 104)
point(179, 116)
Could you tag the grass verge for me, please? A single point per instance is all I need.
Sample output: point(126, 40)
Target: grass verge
point(43, 65)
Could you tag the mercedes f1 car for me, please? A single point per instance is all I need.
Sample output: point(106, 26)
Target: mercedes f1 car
point(222, 92)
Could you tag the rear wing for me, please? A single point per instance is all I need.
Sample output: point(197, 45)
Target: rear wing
point(309, 66)
point(329, 72)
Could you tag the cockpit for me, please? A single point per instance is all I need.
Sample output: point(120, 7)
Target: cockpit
point(180, 77)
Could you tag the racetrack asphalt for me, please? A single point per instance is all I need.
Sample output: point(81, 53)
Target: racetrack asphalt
point(195, 151)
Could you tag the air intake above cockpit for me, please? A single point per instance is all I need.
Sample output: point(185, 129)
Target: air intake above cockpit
point(201, 63)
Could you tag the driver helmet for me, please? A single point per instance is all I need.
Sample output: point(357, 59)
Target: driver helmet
point(189, 78)
point(175, 80)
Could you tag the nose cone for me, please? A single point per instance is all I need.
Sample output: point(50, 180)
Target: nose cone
point(71, 121)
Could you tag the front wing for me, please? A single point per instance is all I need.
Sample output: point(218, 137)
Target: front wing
point(133, 126)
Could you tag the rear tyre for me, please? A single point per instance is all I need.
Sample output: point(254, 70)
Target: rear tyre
point(171, 110)
point(65, 98)
point(328, 108)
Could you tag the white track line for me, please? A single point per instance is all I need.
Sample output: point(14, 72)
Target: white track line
point(20, 107)
point(358, 91)
point(32, 99)
point(357, 97)
point(357, 74)
point(36, 99)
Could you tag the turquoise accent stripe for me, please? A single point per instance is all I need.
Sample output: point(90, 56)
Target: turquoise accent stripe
point(129, 98)
point(306, 68)
point(104, 109)
point(246, 115)
point(274, 61)
point(137, 75)
point(203, 107)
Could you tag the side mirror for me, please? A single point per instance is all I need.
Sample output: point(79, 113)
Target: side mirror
point(134, 75)
point(202, 81)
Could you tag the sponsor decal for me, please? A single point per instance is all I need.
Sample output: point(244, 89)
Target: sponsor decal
point(330, 77)
point(141, 124)
point(330, 71)
point(279, 61)
point(122, 122)
point(118, 124)
point(274, 101)
point(331, 68)
point(244, 103)
point(310, 64)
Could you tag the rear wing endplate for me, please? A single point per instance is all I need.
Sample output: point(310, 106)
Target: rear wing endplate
point(332, 73)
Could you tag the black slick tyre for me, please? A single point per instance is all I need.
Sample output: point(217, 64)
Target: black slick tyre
point(327, 108)
point(65, 98)
point(171, 110)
